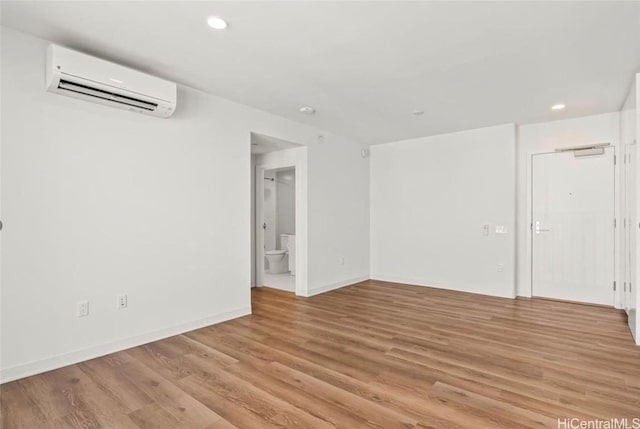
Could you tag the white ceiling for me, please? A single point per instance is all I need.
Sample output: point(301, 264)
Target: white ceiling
point(365, 66)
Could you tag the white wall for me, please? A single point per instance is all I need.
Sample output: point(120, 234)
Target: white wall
point(98, 201)
point(270, 208)
point(636, 294)
point(430, 198)
point(286, 203)
point(338, 215)
point(629, 137)
point(546, 137)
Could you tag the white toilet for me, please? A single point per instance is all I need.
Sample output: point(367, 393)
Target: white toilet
point(281, 261)
point(278, 261)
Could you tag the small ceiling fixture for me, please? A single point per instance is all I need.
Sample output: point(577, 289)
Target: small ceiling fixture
point(216, 23)
point(307, 110)
point(417, 112)
point(558, 107)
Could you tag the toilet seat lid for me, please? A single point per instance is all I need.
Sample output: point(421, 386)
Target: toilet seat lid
point(275, 252)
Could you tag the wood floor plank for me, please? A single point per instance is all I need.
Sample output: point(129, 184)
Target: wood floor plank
point(268, 380)
point(110, 380)
point(19, 410)
point(91, 407)
point(371, 355)
point(188, 411)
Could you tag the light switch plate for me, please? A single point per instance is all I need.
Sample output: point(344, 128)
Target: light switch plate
point(122, 301)
point(501, 229)
point(82, 308)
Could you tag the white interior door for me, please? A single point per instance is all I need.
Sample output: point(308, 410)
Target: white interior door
point(573, 227)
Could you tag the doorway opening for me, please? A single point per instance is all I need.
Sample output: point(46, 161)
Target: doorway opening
point(573, 226)
point(279, 229)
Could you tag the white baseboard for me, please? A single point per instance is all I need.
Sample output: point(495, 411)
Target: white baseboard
point(59, 361)
point(338, 285)
point(284, 289)
point(420, 282)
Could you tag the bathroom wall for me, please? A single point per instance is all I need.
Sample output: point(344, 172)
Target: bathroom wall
point(270, 199)
point(286, 203)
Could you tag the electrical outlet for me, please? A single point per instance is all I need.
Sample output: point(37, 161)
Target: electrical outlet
point(500, 268)
point(122, 301)
point(341, 261)
point(82, 308)
point(485, 229)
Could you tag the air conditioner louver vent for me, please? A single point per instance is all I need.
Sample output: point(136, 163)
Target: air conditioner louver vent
point(106, 95)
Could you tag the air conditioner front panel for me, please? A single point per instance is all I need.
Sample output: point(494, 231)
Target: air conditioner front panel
point(81, 76)
point(107, 73)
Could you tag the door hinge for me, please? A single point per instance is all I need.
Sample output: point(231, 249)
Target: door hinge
point(630, 290)
point(614, 222)
point(614, 285)
point(614, 160)
point(625, 287)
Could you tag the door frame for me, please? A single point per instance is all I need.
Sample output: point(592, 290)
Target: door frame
point(617, 235)
point(627, 251)
point(300, 216)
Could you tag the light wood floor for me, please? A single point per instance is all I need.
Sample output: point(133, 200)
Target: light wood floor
point(373, 354)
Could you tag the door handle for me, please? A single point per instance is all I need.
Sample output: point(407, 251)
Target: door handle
point(264, 225)
point(539, 229)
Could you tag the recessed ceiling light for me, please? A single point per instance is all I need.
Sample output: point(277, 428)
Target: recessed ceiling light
point(557, 107)
point(216, 23)
point(307, 110)
point(417, 112)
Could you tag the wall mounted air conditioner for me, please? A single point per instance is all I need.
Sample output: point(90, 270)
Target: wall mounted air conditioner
point(88, 78)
